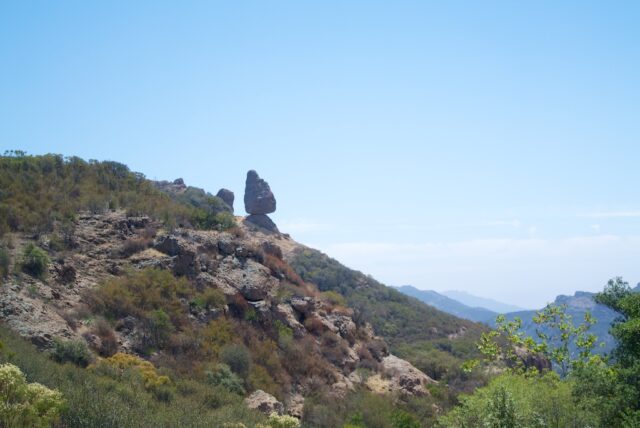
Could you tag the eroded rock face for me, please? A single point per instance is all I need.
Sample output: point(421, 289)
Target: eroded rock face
point(264, 402)
point(258, 198)
point(227, 196)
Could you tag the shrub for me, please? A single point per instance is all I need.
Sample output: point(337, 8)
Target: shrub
point(5, 262)
point(121, 365)
point(210, 298)
point(281, 421)
point(34, 261)
point(134, 245)
point(26, 404)
point(224, 377)
point(108, 342)
point(237, 358)
point(72, 351)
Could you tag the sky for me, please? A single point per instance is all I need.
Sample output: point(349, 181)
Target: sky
point(491, 147)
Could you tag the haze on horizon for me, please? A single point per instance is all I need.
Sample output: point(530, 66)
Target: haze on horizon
point(492, 149)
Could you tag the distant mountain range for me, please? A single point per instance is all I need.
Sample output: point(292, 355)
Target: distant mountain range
point(447, 304)
point(481, 302)
point(465, 305)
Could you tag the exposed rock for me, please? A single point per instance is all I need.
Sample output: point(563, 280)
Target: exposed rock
point(264, 402)
point(304, 305)
point(285, 314)
point(404, 377)
point(263, 221)
point(169, 245)
point(227, 196)
point(258, 198)
point(253, 281)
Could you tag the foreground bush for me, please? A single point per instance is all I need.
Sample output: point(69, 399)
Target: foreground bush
point(24, 404)
point(97, 400)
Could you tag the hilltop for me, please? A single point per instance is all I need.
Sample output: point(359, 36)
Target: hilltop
point(103, 266)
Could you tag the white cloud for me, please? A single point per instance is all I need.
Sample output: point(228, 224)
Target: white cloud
point(528, 272)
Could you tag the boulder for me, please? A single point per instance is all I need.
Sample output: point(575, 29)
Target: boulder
point(227, 196)
point(263, 221)
point(264, 402)
point(404, 377)
point(258, 198)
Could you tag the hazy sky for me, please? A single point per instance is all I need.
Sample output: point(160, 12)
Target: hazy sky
point(492, 147)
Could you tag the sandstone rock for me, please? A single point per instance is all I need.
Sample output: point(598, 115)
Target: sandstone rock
point(227, 197)
point(263, 221)
point(304, 305)
point(253, 281)
point(264, 402)
point(258, 198)
point(404, 377)
point(285, 314)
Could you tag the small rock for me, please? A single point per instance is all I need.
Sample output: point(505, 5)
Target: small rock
point(263, 221)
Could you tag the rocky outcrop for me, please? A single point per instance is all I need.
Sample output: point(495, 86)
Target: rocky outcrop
point(405, 377)
point(227, 197)
point(264, 402)
point(263, 221)
point(258, 198)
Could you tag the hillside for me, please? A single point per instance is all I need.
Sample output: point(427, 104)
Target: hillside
point(139, 280)
point(432, 340)
point(449, 305)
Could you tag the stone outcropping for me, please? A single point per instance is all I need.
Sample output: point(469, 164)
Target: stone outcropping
point(258, 197)
point(259, 201)
point(227, 197)
point(264, 402)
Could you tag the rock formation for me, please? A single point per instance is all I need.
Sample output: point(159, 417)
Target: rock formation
point(259, 201)
point(264, 402)
point(227, 196)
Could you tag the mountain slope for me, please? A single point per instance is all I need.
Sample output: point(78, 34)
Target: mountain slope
point(448, 305)
point(481, 302)
point(113, 271)
point(432, 340)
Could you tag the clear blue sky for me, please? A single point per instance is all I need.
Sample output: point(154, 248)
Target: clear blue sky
point(492, 147)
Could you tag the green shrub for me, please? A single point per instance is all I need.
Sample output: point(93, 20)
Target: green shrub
point(238, 359)
point(224, 377)
point(34, 261)
point(512, 401)
point(26, 404)
point(72, 351)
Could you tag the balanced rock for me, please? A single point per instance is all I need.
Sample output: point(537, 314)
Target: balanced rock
point(258, 198)
point(227, 197)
